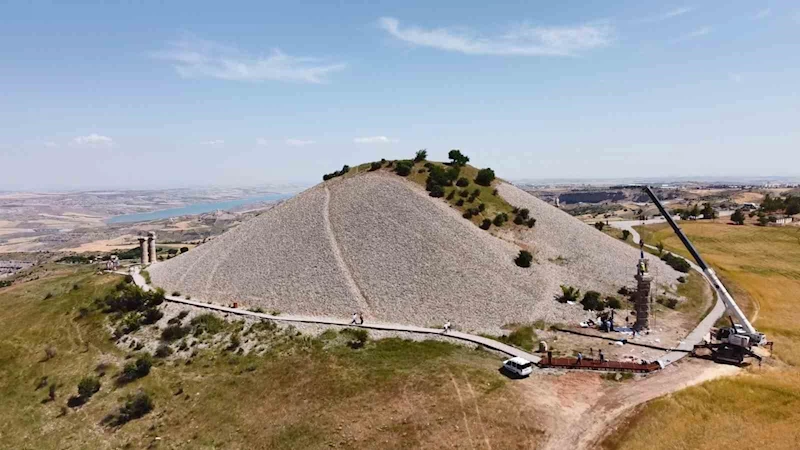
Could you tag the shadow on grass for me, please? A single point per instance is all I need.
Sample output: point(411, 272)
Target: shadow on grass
point(76, 401)
point(509, 374)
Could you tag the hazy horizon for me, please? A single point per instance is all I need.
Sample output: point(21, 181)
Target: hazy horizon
point(147, 96)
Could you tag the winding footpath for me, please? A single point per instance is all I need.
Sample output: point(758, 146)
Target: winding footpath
point(139, 280)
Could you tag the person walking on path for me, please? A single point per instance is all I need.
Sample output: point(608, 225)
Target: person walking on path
point(580, 358)
point(355, 319)
point(602, 356)
point(447, 326)
point(360, 318)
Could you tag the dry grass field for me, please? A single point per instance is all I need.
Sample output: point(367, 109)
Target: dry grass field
point(761, 408)
point(306, 393)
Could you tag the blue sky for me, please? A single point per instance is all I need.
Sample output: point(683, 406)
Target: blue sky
point(249, 93)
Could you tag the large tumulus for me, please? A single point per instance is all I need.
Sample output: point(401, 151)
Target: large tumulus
point(377, 243)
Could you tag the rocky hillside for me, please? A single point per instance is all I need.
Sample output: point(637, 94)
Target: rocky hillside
point(376, 242)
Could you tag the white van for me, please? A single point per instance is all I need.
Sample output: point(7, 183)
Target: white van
point(518, 366)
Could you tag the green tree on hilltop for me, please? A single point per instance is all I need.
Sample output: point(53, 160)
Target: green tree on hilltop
point(457, 158)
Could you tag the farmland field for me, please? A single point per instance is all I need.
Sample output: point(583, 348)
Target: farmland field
point(761, 408)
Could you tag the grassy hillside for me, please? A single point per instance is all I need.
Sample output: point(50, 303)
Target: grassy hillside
point(304, 393)
point(760, 409)
point(493, 203)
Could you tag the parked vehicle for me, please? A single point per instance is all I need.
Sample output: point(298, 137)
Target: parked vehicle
point(518, 366)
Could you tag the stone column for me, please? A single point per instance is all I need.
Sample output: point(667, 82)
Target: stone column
point(143, 246)
point(151, 242)
point(642, 302)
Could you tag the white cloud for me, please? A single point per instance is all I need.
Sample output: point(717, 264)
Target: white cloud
point(298, 142)
point(695, 34)
point(214, 142)
point(374, 140)
point(262, 141)
point(196, 58)
point(668, 15)
point(521, 40)
point(93, 140)
point(763, 13)
point(50, 144)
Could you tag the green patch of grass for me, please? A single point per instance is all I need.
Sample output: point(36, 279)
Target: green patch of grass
point(146, 275)
point(521, 337)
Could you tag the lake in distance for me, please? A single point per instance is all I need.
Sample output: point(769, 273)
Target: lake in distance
point(197, 208)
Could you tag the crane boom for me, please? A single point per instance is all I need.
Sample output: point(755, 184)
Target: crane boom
point(727, 299)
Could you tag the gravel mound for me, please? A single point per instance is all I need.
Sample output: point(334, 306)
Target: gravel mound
point(280, 260)
point(385, 248)
point(591, 258)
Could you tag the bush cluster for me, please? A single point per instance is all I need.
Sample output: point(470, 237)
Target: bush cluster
point(137, 369)
point(174, 332)
point(133, 306)
point(436, 191)
point(403, 168)
point(670, 303)
point(462, 182)
point(358, 337)
point(338, 173)
point(163, 351)
point(592, 302)
point(613, 302)
point(676, 262)
point(524, 258)
point(568, 294)
point(523, 337)
point(135, 406)
point(485, 177)
point(207, 323)
point(87, 387)
point(738, 217)
point(500, 219)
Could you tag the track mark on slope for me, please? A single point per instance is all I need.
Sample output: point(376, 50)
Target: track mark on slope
point(337, 254)
point(411, 408)
point(478, 413)
point(463, 411)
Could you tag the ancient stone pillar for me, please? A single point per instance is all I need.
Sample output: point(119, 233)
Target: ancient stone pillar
point(143, 246)
point(151, 243)
point(642, 301)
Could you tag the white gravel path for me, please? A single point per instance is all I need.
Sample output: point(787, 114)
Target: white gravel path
point(412, 259)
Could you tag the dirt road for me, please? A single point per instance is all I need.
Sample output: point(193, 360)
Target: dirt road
point(579, 408)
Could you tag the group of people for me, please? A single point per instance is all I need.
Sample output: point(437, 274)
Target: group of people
point(358, 319)
point(599, 354)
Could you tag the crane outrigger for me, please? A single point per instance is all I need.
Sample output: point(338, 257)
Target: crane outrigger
point(727, 344)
